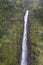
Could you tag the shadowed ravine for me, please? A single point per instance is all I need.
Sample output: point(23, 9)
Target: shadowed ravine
point(24, 41)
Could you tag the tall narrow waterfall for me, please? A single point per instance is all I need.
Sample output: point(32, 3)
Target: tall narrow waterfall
point(24, 42)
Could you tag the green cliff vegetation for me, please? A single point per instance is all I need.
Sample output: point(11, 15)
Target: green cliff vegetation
point(10, 33)
point(11, 30)
point(36, 34)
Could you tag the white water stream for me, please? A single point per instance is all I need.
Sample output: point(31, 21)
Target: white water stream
point(24, 42)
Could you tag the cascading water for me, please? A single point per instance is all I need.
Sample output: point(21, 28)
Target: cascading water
point(24, 42)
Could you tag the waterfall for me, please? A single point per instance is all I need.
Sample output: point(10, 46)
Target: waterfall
point(24, 42)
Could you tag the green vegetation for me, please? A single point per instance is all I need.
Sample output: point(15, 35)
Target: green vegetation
point(10, 33)
point(36, 35)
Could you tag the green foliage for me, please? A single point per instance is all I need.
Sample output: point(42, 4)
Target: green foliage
point(10, 33)
point(39, 15)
